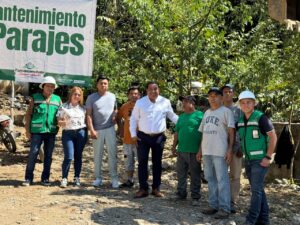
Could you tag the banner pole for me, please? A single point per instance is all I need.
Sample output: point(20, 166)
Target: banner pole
point(12, 103)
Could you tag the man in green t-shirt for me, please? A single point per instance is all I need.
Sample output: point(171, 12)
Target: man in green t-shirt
point(188, 138)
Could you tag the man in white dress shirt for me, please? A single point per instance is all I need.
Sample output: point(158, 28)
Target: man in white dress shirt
point(147, 126)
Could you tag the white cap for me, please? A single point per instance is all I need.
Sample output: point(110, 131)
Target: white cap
point(4, 118)
point(48, 80)
point(246, 94)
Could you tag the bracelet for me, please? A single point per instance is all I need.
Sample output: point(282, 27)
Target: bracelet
point(268, 157)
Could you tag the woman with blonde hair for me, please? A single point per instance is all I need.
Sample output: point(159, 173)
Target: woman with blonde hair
point(71, 117)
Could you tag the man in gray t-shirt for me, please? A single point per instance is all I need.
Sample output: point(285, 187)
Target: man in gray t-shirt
point(103, 107)
point(217, 129)
point(101, 113)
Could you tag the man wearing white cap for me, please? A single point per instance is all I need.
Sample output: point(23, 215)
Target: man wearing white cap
point(258, 141)
point(41, 127)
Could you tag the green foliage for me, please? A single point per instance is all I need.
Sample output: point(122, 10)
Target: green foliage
point(214, 42)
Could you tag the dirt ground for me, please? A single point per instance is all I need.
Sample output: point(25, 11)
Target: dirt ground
point(86, 205)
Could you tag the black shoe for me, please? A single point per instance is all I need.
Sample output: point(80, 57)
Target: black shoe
point(127, 184)
point(209, 211)
point(233, 210)
point(221, 214)
point(179, 196)
point(46, 182)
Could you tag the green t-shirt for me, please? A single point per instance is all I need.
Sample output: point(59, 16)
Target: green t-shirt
point(189, 138)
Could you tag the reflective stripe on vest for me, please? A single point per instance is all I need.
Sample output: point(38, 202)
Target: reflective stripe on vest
point(254, 143)
point(44, 114)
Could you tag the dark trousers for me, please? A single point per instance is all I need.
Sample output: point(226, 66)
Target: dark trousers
point(156, 143)
point(36, 142)
point(187, 162)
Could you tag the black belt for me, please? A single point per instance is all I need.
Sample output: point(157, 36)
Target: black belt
point(76, 130)
point(151, 135)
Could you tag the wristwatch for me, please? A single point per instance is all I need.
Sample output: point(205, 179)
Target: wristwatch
point(268, 157)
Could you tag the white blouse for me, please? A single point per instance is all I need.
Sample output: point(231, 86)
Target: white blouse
point(73, 115)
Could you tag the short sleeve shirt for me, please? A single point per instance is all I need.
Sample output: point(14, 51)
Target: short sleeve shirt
point(189, 138)
point(214, 128)
point(237, 113)
point(265, 125)
point(103, 107)
point(73, 115)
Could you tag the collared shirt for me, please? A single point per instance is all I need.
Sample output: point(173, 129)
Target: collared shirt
point(74, 116)
point(150, 117)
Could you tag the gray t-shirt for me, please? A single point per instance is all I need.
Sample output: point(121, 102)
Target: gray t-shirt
point(237, 113)
point(214, 128)
point(103, 107)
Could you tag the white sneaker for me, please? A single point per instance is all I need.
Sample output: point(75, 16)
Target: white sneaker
point(115, 183)
point(26, 183)
point(77, 181)
point(64, 183)
point(97, 182)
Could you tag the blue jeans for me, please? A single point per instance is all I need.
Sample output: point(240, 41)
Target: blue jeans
point(36, 142)
point(73, 142)
point(259, 209)
point(216, 174)
point(156, 143)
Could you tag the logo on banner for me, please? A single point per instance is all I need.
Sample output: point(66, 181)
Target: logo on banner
point(32, 70)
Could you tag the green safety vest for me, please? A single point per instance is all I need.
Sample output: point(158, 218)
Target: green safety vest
point(44, 114)
point(254, 143)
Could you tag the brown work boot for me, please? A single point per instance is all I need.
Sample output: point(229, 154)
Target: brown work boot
point(141, 194)
point(157, 193)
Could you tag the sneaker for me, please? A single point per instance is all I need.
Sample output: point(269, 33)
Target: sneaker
point(77, 181)
point(127, 184)
point(97, 182)
point(46, 182)
point(221, 214)
point(27, 183)
point(115, 183)
point(178, 197)
point(64, 183)
point(195, 202)
point(209, 211)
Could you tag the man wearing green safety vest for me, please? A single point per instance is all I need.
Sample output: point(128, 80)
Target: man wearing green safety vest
point(258, 141)
point(41, 127)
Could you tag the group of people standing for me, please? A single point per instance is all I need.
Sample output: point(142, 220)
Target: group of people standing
point(218, 138)
point(44, 116)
